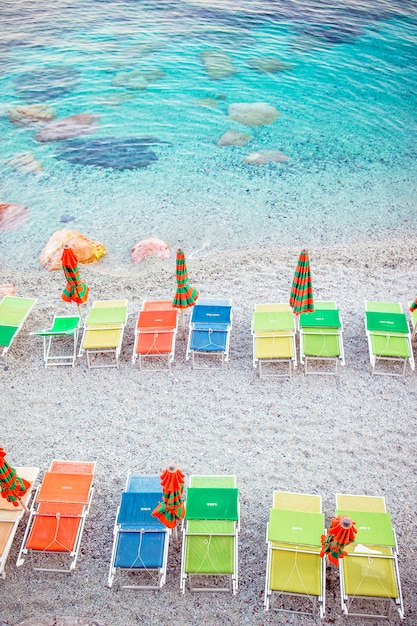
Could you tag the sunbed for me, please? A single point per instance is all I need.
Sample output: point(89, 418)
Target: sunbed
point(209, 333)
point(155, 332)
point(13, 313)
point(273, 333)
point(140, 545)
point(10, 515)
point(210, 535)
point(57, 517)
point(62, 334)
point(369, 575)
point(103, 332)
point(389, 337)
point(321, 339)
point(295, 572)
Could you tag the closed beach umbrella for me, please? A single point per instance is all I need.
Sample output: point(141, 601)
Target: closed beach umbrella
point(340, 534)
point(172, 508)
point(75, 289)
point(413, 305)
point(301, 296)
point(12, 486)
point(185, 295)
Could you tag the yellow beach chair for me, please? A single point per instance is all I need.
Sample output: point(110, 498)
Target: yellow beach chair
point(369, 574)
point(103, 332)
point(273, 332)
point(295, 572)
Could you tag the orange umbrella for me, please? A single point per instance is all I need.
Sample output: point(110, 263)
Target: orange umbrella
point(340, 534)
point(185, 295)
point(12, 486)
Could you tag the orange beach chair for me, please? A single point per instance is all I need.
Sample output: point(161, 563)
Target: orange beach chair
point(57, 517)
point(156, 331)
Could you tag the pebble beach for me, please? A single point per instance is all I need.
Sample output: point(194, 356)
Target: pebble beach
point(310, 434)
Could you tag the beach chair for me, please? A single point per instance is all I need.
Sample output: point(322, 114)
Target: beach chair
point(389, 337)
point(321, 339)
point(209, 333)
point(13, 313)
point(57, 517)
point(10, 515)
point(155, 332)
point(103, 332)
point(210, 535)
point(273, 333)
point(63, 332)
point(140, 545)
point(295, 572)
point(369, 575)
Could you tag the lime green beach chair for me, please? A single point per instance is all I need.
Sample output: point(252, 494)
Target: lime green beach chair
point(369, 575)
point(64, 331)
point(210, 534)
point(103, 332)
point(321, 338)
point(389, 337)
point(273, 333)
point(295, 572)
point(13, 313)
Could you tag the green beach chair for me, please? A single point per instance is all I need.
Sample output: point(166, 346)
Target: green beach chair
point(389, 337)
point(13, 313)
point(64, 329)
point(295, 572)
point(273, 333)
point(103, 332)
point(369, 574)
point(210, 535)
point(321, 338)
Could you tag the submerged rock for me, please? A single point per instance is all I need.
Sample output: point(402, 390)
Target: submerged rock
point(25, 162)
point(152, 245)
point(253, 114)
point(86, 250)
point(234, 138)
point(46, 84)
point(110, 152)
point(12, 216)
point(266, 156)
point(68, 127)
point(30, 114)
point(218, 64)
point(268, 64)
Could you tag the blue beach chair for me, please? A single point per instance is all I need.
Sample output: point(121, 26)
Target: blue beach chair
point(140, 546)
point(210, 326)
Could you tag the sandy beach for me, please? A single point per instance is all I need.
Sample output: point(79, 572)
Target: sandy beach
point(309, 434)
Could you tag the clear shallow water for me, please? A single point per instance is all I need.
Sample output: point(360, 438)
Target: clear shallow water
point(347, 103)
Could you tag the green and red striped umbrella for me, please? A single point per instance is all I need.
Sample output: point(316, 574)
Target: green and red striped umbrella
point(185, 295)
point(75, 289)
point(340, 534)
point(11, 485)
point(301, 296)
point(413, 305)
point(172, 507)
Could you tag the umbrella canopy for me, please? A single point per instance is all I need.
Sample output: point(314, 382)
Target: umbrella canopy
point(185, 295)
point(172, 506)
point(75, 290)
point(413, 305)
point(301, 296)
point(12, 487)
point(340, 534)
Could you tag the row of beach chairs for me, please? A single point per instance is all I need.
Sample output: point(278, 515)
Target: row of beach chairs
point(274, 331)
point(295, 572)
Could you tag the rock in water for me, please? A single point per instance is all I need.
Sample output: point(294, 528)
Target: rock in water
point(12, 216)
point(25, 162)
point(30, 114)
point(86, 250)
point(253, 114)
point(152, 245)
point(234, 138)
point(110, 152)
point(218, 64)
point(266, 156)
point(68, 128)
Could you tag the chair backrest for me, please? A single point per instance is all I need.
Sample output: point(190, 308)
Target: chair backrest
point(271, 307)
point(360, 503)
point(227, 481)
point(158, 305)
point(136, 508)
point(297, 501)
point(383, 307)
point(211, 315)
point(157, 320)
point(143, 483)
point(212, 504)
point(14, 310)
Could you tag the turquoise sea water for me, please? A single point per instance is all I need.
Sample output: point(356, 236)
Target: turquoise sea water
point(346, 93)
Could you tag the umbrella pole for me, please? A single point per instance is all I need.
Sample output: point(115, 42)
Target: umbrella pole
point(23, 505)
point(175, 536)
point(79, 310)
point(183, 324)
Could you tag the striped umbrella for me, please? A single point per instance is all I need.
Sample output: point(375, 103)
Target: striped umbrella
point(172, 507)
point(413, 305)
point(301, 296)
point(185, 295)
point(75, 289)
point(340, 534)
point(12, 486)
